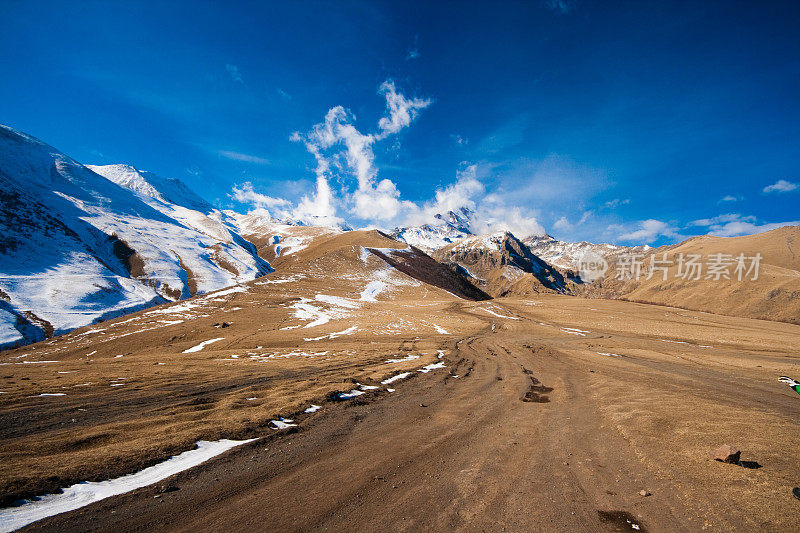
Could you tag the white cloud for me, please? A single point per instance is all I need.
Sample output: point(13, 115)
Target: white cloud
point(781, 186)
point(564, 224)
point(283, 94)
point(647, 231)
point(245, 194)
point(521, 223)
point(735, 224)
point(616, 202)
point(233, 70)
point(336, 140)
point(401, 110)
point(247, 158)
point(723, 219)
point(729, 198)
point(347, 179)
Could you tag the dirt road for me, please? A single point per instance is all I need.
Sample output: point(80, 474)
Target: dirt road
point(518, 433)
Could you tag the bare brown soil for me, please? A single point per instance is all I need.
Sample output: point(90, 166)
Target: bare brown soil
point(553, 412)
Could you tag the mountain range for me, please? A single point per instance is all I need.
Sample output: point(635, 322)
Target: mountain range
point(84, 243)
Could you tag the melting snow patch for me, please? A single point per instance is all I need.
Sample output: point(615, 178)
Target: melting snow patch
point(609, 354)
point(82, 494)
point(440, 329)
point(347, 395)
point(372, 290)
point(409, 357)
point(369, 387)
point(202, 345)
point(573, 331)
point(337, 301)
point(348, 331)
point(313, 408)
point(283, 423)
point(497, 314)
point(398, 377)
point(226, 292)
point(432, 366)
point(52, 394)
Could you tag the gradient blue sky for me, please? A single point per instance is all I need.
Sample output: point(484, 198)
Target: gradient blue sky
point(625, 122)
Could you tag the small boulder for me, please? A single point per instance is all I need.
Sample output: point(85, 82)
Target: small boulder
point(726, 454)
point(644, 493)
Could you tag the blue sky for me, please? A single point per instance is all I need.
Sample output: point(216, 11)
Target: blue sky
point(628, 123)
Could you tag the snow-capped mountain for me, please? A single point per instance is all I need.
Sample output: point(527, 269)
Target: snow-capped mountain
point(448, 228)
point(499, 264)
point(77, 247)
point(565, 254)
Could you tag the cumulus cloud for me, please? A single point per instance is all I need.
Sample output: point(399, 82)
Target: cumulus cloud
point(277, 207)
point(343, 152)
point(499, 217)
point(347, 179)
point(735, 224)
point(247, 158)
point(647, 231)
point(564, 224)
point(780, 186)
point(401, 110)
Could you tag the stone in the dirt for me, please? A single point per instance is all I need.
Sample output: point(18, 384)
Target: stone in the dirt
point(644, 493)
point(726, 454)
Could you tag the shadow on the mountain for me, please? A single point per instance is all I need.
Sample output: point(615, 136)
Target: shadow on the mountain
point(419, 265)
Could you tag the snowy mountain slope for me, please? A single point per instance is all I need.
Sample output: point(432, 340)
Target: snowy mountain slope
point(165, 190)
point(76, 247)
point(449, 227)
point(275, 240)
point(499, 264)
point(565, 254)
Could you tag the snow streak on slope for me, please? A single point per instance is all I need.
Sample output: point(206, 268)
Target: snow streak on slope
point(76, 247)
point(566, 254)
point(83, 494)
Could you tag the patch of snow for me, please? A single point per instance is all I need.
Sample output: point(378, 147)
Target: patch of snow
point(348, 331)
point(372, 290)
point(83, 494)
point(312, 409)
point(202, 345)
point(337, 301)
point(497, 314)
point(283, 423)
point(432, 366)
point(409, 357)
point(397, 377)
point(347, 395)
